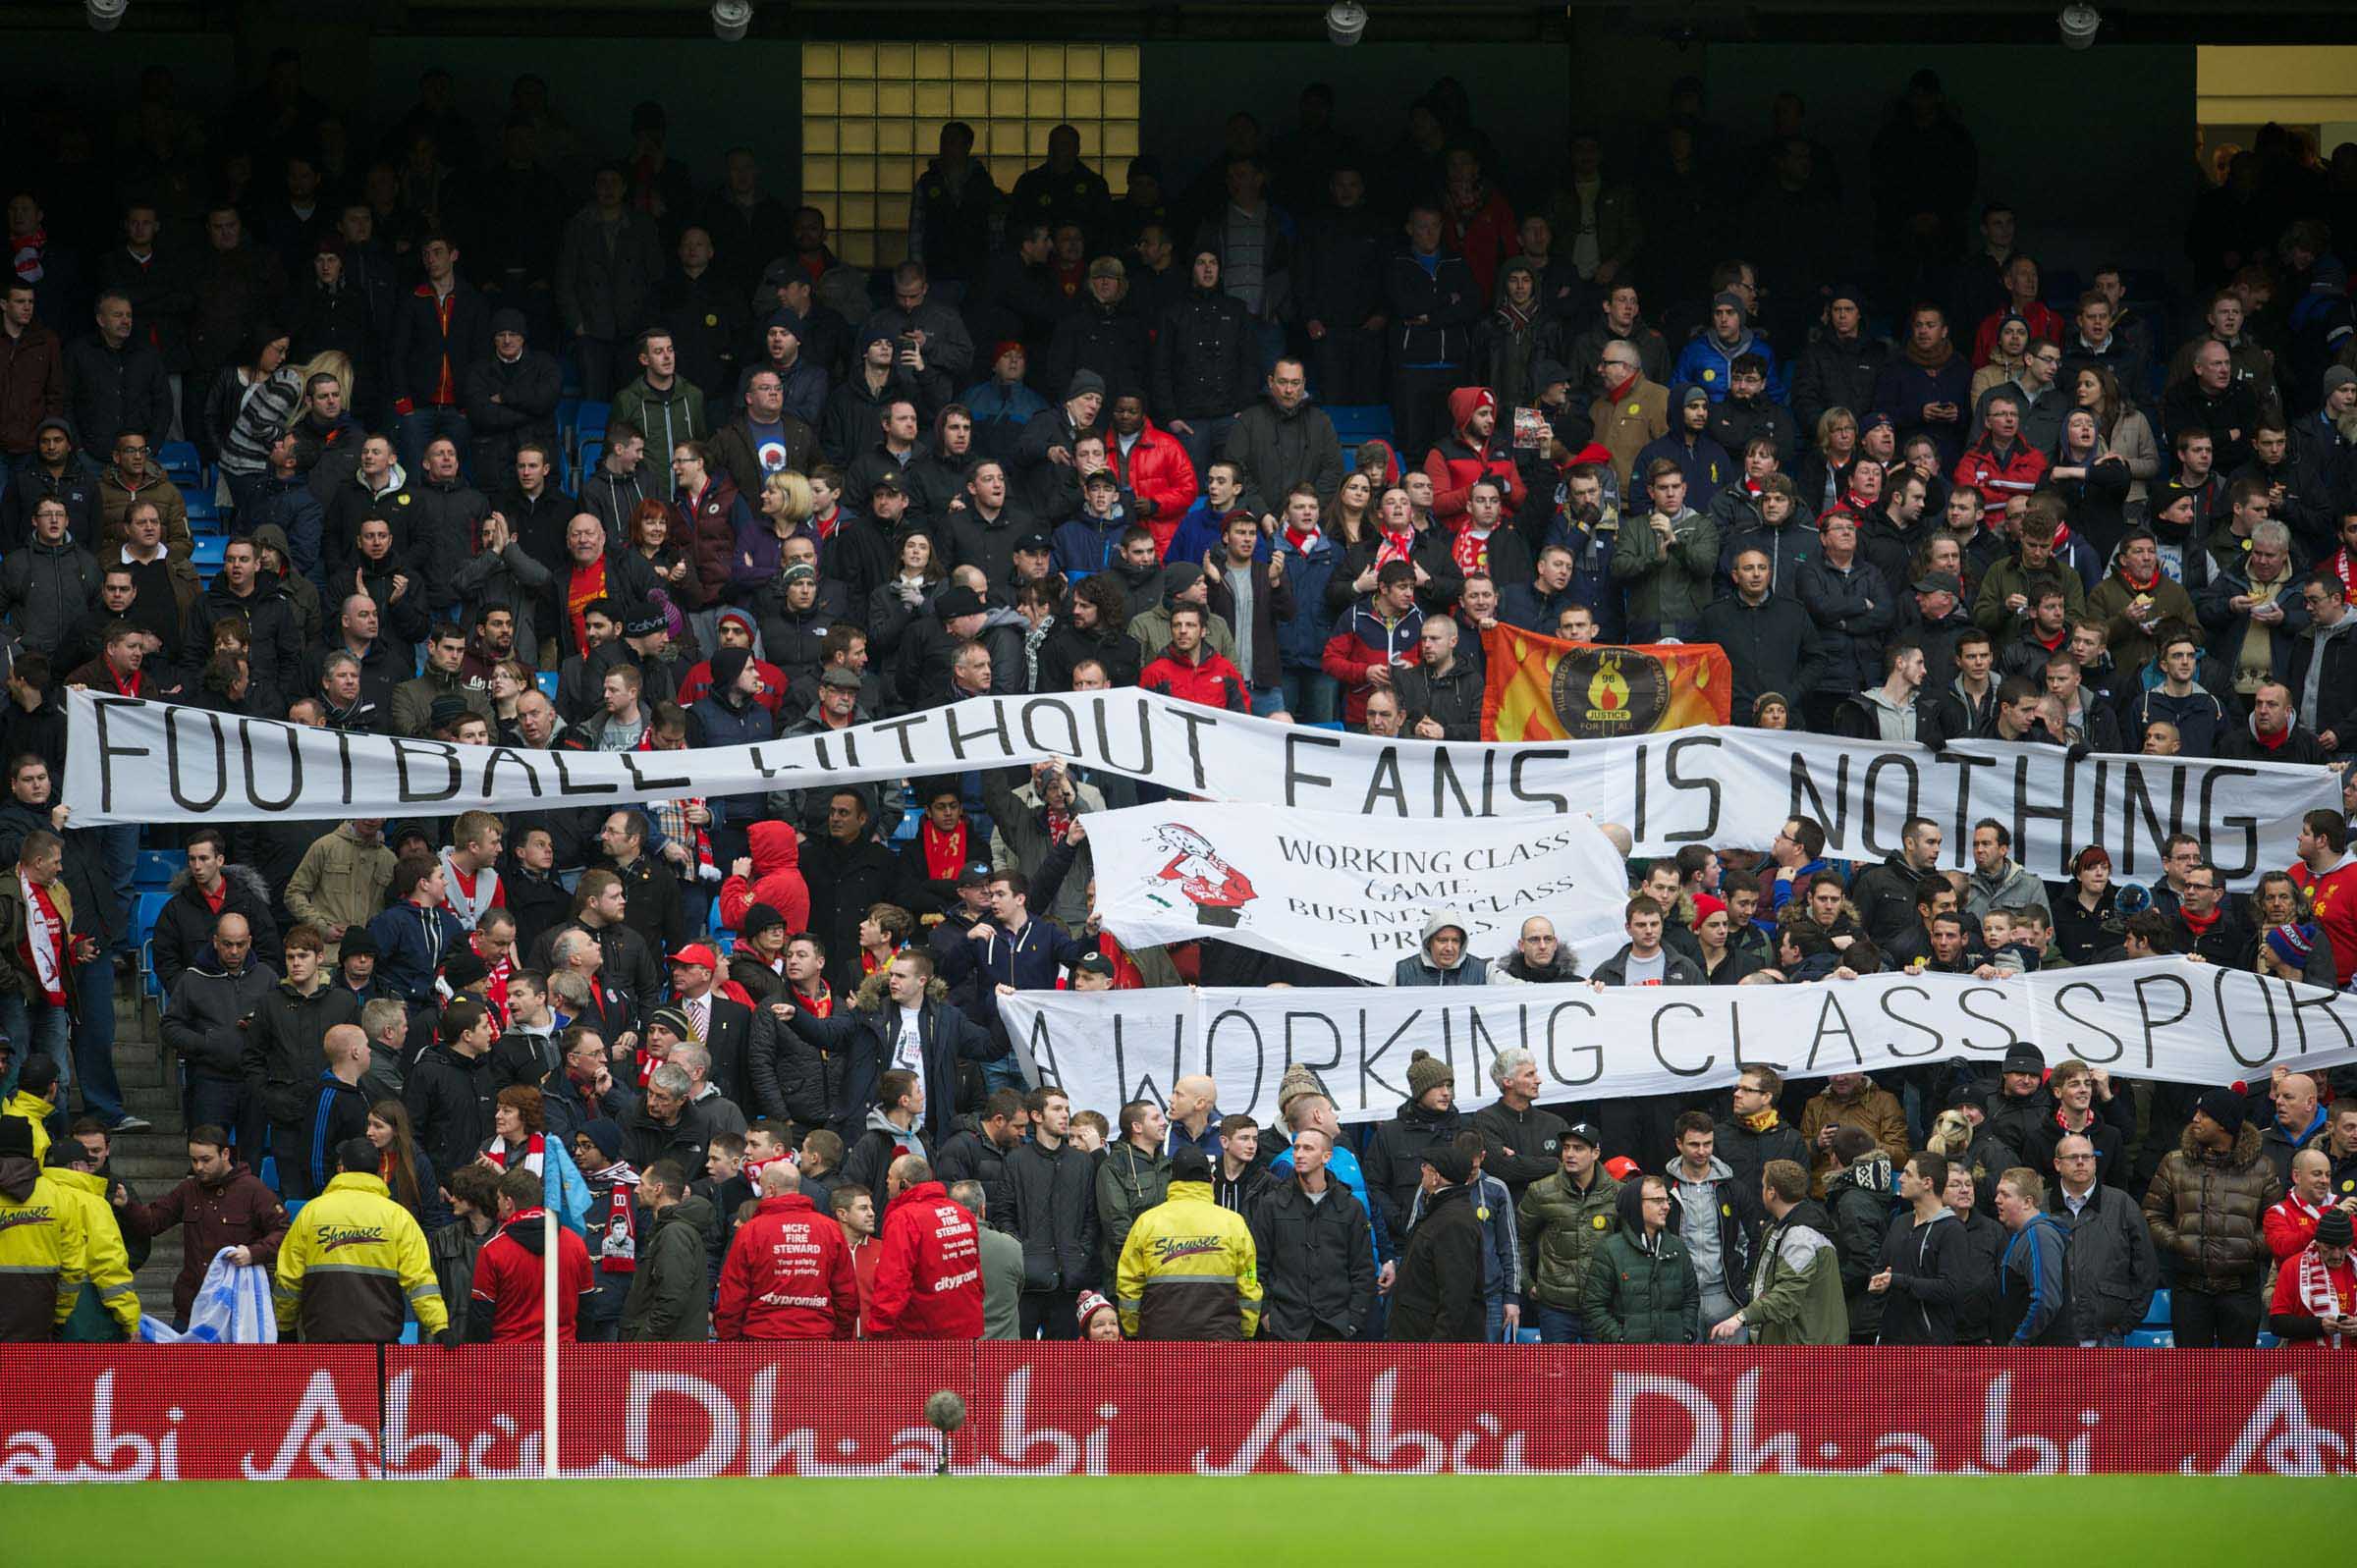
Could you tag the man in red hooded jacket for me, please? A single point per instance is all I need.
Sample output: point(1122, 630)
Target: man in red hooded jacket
point(1470, 454)
point(928, 1278)
point(788, 1274)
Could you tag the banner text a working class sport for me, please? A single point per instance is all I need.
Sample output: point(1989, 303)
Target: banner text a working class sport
point(2170, 1020)
point(130, 760)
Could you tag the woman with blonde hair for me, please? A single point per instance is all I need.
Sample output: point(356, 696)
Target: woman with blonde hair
point(786, 505)
point(1825, 475)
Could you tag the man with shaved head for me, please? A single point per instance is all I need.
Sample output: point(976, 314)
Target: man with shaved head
point(1194, 1115)
point(2298, 1121)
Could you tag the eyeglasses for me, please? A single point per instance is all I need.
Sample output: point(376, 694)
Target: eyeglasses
point(2072, 1160)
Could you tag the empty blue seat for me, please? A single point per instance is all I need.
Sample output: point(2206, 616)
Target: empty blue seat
point(2152, 1339)
point(155, 869)
point(209, 550)
point(205, 512)
point(1362, 421)
point(2157, 1316)
point(592, 422)
point(180, 462)
point(547, 680)
point(146, 910)
point(1335, 724)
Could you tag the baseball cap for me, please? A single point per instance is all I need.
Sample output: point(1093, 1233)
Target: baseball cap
point(698, 954)
point(1093, 963)
point(977, 872)
point(1586, 1132)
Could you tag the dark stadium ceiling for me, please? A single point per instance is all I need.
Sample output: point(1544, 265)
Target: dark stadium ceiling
point(1431, 21)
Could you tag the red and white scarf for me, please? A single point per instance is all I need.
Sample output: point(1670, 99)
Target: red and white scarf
point(27, 255)
point(44, 946)
point(2320, 1294)
point(532, 1150)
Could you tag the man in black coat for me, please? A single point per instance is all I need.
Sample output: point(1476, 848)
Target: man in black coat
point(979, 1151)
point(1317, 1256)
point(1393, 1158)
point(114, 383)
point(1437, 1297)
point(849, 873)
point(1771, 642)
point(206, 890)
point(448, 1090)
point(874, 1034)
point(511, 396)
point(1052, 1190)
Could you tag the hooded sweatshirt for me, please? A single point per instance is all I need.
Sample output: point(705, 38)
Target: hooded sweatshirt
point(1425, 970)
point(777, 878)
point(1698, 1209)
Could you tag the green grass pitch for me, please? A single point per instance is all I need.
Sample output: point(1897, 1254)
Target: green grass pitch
point(1753, 1521)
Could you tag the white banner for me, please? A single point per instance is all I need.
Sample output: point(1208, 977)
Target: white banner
point(139, 762)
point(1321, 887)
point(2161, 1019)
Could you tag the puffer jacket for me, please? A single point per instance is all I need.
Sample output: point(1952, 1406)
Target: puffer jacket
point(1054, 1214)
point(1640, 1293)
point(1190, 1271)
point(46, 592)
point(1563, 1229)
point(1129, 1182)
point(2208, 1211)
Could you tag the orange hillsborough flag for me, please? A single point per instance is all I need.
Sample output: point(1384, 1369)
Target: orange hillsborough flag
point(1543, 689)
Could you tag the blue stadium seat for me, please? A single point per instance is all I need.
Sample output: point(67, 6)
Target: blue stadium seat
point(2157, 1316)
point(569, 408)
point(182, 463)
point(726, 940)
point(155, 870)
point(146, 910)
point(593, 448)
point(209, 550)
point(2152, 1339)
point(205, 512)
point(1335, 724)
point(1362, 421)
point(592, 425)
point(547, 681)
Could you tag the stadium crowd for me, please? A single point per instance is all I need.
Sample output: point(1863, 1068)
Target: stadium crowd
point(748, 1049)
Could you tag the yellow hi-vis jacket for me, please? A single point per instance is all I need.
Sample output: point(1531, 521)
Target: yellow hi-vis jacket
point(106, 1266)
point(1190, 1271)
point(351, 1263)
point(43, 1256)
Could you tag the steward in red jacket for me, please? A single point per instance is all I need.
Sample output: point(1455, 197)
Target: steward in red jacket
point(928, 1278)
point(1467, 455)
point(789, 1274)
point(1191, 672)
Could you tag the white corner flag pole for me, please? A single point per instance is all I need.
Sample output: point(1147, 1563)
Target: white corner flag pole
point(548, 1341)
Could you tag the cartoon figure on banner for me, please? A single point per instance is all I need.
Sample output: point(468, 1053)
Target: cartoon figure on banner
point(1218, 890)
